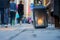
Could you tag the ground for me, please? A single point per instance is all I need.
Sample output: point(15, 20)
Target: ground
point(28, 32)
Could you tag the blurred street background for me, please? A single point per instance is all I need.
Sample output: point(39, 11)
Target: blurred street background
point(21, 26)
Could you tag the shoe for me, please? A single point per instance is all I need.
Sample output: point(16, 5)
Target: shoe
point(6, 26)
point(9, 24)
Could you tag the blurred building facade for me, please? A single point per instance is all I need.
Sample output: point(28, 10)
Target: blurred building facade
point(27, 4)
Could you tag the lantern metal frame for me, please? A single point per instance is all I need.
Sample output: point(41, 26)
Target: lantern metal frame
point(43, 13)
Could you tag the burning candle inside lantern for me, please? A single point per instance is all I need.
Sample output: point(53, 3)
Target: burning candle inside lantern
point(40, 21)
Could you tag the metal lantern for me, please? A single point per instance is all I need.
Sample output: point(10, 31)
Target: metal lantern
point(40, 17)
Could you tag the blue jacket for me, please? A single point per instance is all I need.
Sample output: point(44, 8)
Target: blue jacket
point(12, 6)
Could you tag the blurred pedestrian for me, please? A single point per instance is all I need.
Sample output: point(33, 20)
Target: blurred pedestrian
point(24, 20)
point(12, 12)
point(40, 2)
point(29, 20)
point(20, 11)
point(4, 6)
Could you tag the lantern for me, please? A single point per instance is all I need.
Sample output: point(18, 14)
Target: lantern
point(40, 17)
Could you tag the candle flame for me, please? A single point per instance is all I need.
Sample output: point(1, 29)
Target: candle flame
point(40, 21)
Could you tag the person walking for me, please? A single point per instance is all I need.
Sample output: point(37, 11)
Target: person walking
point(40, 2)
point(4, 6)
point(12, 12)
point(20, 11)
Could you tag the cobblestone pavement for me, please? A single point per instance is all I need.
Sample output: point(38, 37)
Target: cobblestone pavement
point(28, 32)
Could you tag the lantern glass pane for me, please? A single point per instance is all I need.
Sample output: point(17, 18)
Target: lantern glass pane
point(39, 20)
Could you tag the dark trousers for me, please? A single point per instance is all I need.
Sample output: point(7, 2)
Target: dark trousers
point(12, 17)
point(2, 16)
point(6, 16)
point(57, 24)
point(20, 17)
point(57, 20)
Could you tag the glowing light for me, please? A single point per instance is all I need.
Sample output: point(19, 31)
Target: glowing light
point(40, 21)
